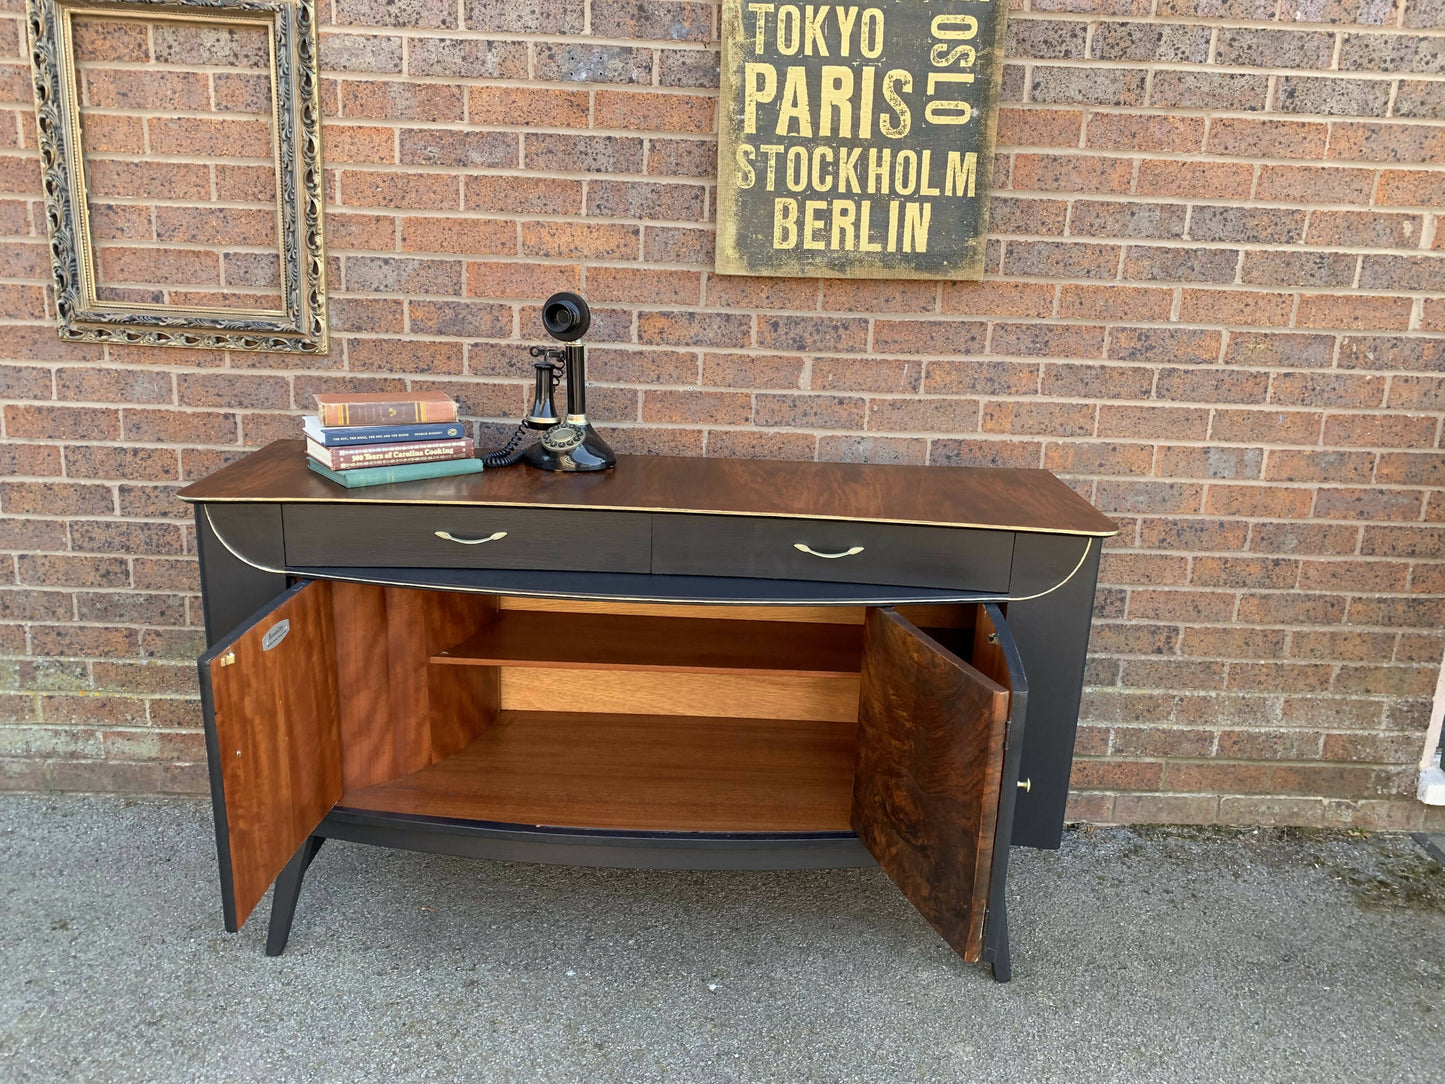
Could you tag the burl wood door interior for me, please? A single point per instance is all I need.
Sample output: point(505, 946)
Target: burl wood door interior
point(931, 731)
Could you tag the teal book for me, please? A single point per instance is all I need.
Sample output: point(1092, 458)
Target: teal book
point(407, 472)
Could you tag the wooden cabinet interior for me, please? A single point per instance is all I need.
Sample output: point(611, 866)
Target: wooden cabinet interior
point(617, 717)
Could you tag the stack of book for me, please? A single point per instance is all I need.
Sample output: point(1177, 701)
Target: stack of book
point(369, 440)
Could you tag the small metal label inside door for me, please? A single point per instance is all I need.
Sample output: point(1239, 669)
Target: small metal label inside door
point(275, 634)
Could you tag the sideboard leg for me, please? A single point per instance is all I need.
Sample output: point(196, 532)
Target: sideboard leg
point(288, 890)
point(1003, 969)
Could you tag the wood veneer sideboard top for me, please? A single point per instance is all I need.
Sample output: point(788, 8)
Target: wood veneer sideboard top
point(982, 497)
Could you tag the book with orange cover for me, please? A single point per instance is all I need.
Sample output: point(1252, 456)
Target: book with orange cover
point(385, 408)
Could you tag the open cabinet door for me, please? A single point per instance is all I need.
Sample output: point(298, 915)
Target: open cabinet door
point(926, 782)
point(272, 736)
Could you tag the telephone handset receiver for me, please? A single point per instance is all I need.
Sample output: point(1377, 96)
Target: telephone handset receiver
point(570, 443)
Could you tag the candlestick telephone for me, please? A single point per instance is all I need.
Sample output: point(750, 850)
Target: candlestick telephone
point(570, 443)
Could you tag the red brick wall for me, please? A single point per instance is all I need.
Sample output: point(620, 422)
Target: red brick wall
point(1215, 304)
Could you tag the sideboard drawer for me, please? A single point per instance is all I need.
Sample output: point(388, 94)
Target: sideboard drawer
point(320, 535)
point(882, 552)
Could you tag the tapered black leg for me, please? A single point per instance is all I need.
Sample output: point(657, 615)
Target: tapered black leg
point(1002, 966)
point(288, 889)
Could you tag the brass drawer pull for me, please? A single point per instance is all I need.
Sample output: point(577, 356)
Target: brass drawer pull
point(470, 541)
point(830, 556)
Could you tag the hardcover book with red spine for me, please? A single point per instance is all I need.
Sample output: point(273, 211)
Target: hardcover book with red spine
point(388, 455)
point(385, 408)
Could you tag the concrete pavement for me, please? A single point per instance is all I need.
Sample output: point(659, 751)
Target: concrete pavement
point(1148, 955)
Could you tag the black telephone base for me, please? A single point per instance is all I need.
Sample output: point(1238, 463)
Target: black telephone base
point(590, 453)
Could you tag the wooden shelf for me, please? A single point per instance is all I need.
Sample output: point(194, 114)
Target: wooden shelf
point(595, 641)
point(636, 772)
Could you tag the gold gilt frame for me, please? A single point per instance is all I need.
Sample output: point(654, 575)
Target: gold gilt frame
point(300, 325)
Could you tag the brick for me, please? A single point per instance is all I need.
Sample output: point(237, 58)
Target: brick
point(525, 16)
point(1270, 427)
point(1047, 340)
point(923, 415)
point(998, 298)
point(1039, 418)
point(1256, 48)
point(589, 63)
point(523, 195)
point(1410, 468)
point(939, 337)
point(1248, 500)
point(1328, 390)
point(1303, 538)
point(1420, 98)
point(1134, 497)
point(395, 100)
point(1153, 422)
point(468, 58)
point(653, 112)
point(1059, 259)
point(1117, 775)
point(1191, 462)
point(1375, 53)
point(1271, 138)
point(1357, 504)
point(756, 444)
point(1168, 43)
point(682, 328)
point(1233, 643)
point(647, 200)
point(1403, 273)
point(977, 376)
point(1009, 215)
point(687, 68)
point(1079, 381)
point(1144, 132)
point(132, 464)
point(1378, 141)
point(1258, 308)
point(752, 371)
point(1087, 86)
point(812, 333)
point(1159, 263)
point(1039, 127)
point(583, 154)
point(62, 422)
point(984, 452)
point(404, 274)
point(1353, 312)
point(872, 295)
point(1235, 91)
point(1133, 741)
point(682, 158)
point(529, 107)
point(605, 365)
point(1137, 638)
point(411, 356)
point(419, 191)
point(470, 236)
point(471, 319)
point(360, 231)
point(452, 147)
point(809, 411)
point(1314, 184)
point(676, 245)
point(1386, 352)
point(1218, 180)
point(644, 286)
point(1268, 349)
point(668, 20)
point(594, 240)
point(1071, 173)
point(1114, 302)
point(706, 407)
point(1319, 466)
point(1363, 229)
point(1332, 97)
point(174, 426)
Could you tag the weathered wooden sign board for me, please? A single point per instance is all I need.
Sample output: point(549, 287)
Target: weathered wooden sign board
point(857, 139)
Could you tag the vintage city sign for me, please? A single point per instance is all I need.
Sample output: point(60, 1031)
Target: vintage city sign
point(857, 139)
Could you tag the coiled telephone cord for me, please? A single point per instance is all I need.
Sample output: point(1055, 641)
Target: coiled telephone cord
point(508, 453)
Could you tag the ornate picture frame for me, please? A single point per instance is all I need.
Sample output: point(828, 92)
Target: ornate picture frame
point(298, 324)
